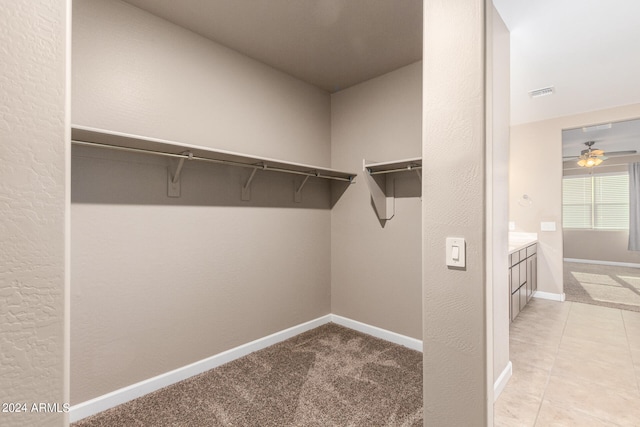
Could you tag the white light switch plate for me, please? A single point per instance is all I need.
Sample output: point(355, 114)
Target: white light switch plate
point(456, 252)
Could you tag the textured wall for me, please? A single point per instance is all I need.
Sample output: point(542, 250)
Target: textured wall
point(159, 283)
point(376, 268)
point(453, 190)
point(32, 208)
point(540, 143)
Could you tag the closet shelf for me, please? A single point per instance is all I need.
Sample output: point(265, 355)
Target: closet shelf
point(81, 135)
point(394, 166)
point(107, 139)
point(380, 181)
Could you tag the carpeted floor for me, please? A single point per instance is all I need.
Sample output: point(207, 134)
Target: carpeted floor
point(330, 376)
point(605, 285)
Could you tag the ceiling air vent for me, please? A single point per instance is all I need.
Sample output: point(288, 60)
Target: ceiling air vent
point(542, 92)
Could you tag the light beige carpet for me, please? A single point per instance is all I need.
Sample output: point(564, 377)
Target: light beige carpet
point(330, 376)
point(608, 286)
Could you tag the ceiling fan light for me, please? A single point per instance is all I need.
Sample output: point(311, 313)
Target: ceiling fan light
point(589, 161)
point(591, 156)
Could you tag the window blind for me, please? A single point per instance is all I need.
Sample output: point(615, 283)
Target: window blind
point(596, 202)
point(577, 196)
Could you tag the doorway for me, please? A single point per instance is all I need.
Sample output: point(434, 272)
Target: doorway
point(599, 268)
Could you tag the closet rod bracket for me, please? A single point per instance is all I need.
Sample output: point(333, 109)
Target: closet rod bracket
point(246, 188)
point(297, 194)
point(173, 181)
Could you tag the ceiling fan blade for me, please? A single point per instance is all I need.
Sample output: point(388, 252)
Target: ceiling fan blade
point(599, 154)
point(621, 153)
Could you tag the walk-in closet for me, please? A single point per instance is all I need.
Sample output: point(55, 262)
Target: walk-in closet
point(217, 200)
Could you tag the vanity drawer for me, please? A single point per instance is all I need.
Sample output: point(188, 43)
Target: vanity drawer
point(532, 249)
point(523, 296)
point(515, 277)
point(514, 258)
point(515, 305)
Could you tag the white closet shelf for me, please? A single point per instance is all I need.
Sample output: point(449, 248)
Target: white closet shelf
point(404, 165)
point(82, 135)
point(380, 181)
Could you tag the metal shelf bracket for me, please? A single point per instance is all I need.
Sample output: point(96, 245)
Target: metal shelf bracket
point(246, 188)
point(297, 194)
point(173, 179)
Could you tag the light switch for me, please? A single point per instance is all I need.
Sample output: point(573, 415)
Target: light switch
point(455, 247)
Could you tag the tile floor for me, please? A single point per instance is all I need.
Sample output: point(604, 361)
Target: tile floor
point(573, 365)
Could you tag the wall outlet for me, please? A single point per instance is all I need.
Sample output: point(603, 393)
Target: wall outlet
point(548, 226)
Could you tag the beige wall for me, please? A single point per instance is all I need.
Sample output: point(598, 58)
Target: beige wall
point(498, 113)
point(158, 283)
point(33, 207)
point(599, 245)
point(376, 267)
point(147, 77)
point(536, 170)
point(456, 368)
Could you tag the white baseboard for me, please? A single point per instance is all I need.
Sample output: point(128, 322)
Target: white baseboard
point(125, 394)
point(550, 296)
point(412, 343)
point(502, 381)
point(593, 261)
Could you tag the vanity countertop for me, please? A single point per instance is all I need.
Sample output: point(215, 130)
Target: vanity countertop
point(519, 240)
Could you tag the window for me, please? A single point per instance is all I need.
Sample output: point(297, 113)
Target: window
point(599, 202)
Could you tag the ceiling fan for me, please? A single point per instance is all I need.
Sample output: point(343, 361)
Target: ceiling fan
point(592, 156)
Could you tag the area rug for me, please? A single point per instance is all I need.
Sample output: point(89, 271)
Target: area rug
point(329, 376)
point(605, 285)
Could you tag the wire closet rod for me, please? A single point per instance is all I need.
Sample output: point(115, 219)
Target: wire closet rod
point(189, 156)
point(405, 169)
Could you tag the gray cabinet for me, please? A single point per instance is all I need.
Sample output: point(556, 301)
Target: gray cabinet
point(523, 278)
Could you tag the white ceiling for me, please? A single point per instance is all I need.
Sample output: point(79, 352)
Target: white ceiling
point(586, 49)
point(332, 44)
